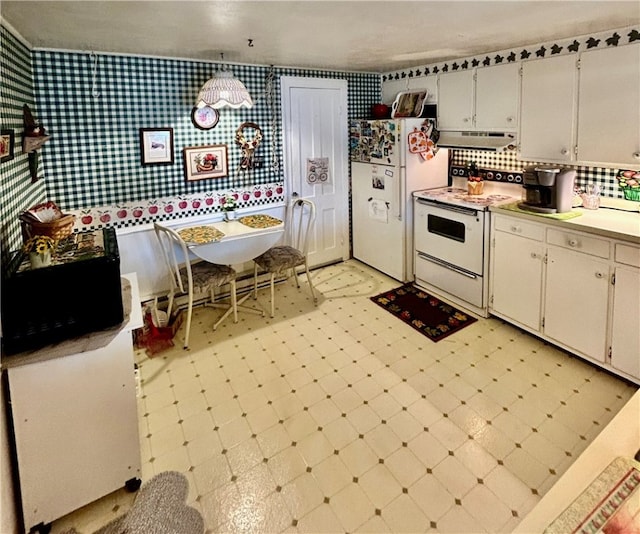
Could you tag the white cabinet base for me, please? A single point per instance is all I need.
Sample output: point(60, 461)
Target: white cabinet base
point(76, 429)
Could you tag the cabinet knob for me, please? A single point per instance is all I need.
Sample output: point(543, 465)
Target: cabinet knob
point(564, 152)
point(573, 242)
point(636, 155)
point(599, 274)
point(509, 119)
point(535, 256)
point(466, 119)
point(516, 229)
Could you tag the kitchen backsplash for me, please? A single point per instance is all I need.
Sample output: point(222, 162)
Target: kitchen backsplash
point(605, 177)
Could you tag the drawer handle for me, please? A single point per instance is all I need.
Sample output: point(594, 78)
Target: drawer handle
point(573, 242)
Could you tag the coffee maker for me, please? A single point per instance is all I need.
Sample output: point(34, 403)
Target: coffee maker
point(547, 189)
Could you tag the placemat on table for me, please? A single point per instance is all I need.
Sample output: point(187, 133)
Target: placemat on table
point(200, 235)
point(562, 216)
point(259, 221)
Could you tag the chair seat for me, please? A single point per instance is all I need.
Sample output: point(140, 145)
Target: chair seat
point(280, 258)
point(206, 275)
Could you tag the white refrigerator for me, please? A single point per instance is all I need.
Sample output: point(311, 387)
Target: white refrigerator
point(385, 170)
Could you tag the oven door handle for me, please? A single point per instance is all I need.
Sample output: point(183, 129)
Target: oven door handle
point(446, 265)
point(449, 207)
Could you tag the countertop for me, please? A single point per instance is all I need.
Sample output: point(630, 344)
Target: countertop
point(606, 221)
point(620, 438)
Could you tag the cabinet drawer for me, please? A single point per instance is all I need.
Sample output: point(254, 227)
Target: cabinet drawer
point(519, 227)
point(579, 242)
point(627, 254)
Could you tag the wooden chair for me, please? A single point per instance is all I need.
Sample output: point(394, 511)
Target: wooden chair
point(189, 278)
point(282, 258)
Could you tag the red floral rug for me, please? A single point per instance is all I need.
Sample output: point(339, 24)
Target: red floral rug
point(424, 312)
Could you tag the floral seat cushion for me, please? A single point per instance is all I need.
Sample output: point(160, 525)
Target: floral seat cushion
point(279, 259)
point(206, 275)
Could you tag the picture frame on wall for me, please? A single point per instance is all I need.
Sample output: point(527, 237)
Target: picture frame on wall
point(156, 146)
point(7, 145)
point(205, 162)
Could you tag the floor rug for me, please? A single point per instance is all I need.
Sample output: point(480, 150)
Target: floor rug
point(424, 312)
point(159, 508)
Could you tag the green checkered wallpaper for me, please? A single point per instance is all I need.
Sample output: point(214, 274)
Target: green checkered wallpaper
point(17, 192)
point(93, 157)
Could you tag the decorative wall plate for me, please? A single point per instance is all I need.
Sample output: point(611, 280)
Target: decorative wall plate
point(204, 118)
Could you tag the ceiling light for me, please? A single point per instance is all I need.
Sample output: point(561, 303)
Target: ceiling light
point(224, 90)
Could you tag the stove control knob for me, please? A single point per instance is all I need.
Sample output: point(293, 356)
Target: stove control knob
point(454, 171)
point(510, 178)
point(498, 176)
point(489, 175)
point(518, 178)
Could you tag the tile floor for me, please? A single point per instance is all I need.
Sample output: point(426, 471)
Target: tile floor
point(341, 418)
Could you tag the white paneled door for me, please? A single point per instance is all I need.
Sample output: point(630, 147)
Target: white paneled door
point(314, 123)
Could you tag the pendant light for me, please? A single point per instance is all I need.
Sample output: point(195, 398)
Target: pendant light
point(224, 90)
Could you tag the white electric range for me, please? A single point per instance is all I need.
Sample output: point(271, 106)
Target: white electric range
point(451, 236)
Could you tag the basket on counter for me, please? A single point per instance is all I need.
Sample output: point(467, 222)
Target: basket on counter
point(56, 229)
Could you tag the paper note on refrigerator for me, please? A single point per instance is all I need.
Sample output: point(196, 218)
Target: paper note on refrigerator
point(378, 210)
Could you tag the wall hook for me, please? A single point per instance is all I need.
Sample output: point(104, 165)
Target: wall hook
point(250, 43)
point(94, 90)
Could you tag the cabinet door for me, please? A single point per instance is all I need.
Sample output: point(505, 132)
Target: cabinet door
point(576, 301)
point(547, 125)
point(455, 100)
point(625, 340)
point(497, 93)
point(609, 106)
point(517, 278)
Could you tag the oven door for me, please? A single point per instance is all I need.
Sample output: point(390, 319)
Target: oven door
point(451, 234)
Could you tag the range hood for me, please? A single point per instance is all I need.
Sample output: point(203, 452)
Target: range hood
point(494, 141)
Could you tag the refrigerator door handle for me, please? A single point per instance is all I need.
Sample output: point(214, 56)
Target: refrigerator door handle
point(400, 192)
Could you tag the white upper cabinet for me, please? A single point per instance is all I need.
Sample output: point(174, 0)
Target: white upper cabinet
point(548, 109)
point(497, 97)
point(483, 99)
point(609, 106)
point(455, 100)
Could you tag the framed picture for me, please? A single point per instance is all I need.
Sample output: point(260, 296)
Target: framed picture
point(7, 144)
point(156, 146)
point(409, 103)
point(203, 162)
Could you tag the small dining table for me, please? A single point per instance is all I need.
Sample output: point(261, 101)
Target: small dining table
point(233, 242)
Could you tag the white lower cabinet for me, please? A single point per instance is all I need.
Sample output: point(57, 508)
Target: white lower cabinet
point(625, 332)
point(576, 301)
point(577, 290)
point(518, 266)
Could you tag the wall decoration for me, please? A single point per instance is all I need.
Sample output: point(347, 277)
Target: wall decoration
point(7, 145)
point(248, 143)
point(318, 171)
point(204, 118)
point(203, 162)
point(156, 146)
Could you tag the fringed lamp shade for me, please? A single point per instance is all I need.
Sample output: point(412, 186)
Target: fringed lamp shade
point(224, 89)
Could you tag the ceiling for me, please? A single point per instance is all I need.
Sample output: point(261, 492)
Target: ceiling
point(356, 35)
